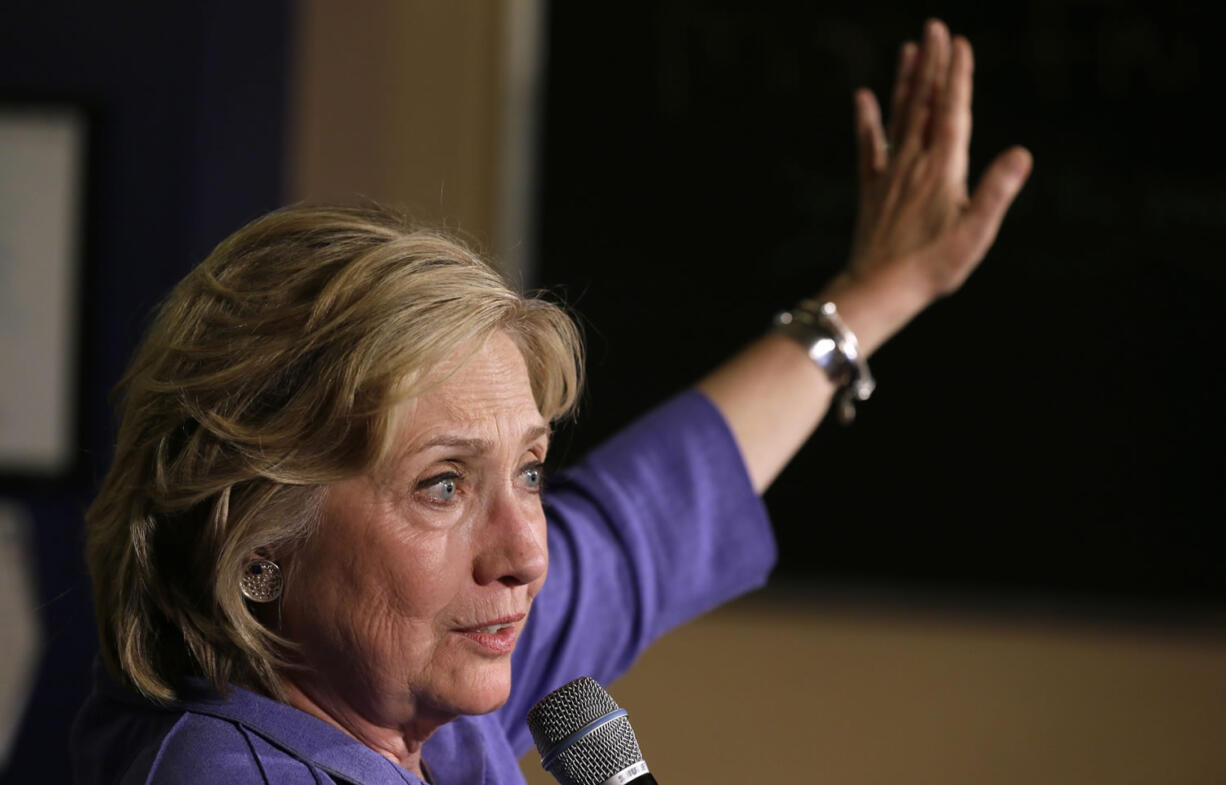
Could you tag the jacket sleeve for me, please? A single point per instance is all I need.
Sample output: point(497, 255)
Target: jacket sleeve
point(653, 528)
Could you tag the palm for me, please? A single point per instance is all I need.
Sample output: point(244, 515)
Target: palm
point(917, 218)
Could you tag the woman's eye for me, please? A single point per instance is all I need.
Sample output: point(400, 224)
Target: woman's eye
point(533, 476)
point(442, 488)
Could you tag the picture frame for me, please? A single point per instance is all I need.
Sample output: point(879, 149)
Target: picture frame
point(43, 187)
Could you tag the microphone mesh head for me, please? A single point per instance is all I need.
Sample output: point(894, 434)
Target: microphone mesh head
point(598, 754)
point(566, 710)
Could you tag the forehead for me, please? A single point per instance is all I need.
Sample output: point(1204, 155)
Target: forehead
point(486, 394)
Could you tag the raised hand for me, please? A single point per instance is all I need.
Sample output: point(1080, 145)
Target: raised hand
point(918, 226)
point(919, 234)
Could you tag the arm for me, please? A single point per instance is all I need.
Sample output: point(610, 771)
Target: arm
point(918, 236)
point(653, 527)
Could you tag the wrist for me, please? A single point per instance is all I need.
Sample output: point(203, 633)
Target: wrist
point(875, 306)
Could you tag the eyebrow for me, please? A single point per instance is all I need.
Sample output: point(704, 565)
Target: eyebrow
point(480, 445)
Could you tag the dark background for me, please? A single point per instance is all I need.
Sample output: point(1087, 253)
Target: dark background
point(187, 113)
point(1050, 435)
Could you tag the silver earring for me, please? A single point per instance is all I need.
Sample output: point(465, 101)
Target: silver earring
point(261, 581)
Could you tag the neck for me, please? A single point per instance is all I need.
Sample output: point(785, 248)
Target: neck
point(400, 743)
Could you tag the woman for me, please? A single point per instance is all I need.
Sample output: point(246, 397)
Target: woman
point(320, 554)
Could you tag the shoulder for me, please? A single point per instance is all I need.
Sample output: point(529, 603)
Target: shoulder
point(202, 749)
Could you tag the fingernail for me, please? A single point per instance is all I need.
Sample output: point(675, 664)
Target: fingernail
point(1020, 162)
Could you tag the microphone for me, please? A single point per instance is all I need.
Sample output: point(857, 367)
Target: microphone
point(585, 738)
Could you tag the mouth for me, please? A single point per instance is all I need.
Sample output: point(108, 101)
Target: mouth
point(496, 637)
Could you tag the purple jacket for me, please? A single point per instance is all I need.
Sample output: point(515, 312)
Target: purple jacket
point(656, 526)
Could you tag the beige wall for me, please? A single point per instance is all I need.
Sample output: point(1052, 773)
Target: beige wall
point(400, 101)
point(405, 102)
point(771, 690)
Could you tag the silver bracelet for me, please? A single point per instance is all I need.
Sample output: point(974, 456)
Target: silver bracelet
point(816, 326)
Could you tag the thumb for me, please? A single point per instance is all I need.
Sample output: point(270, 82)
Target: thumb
point(996, 191)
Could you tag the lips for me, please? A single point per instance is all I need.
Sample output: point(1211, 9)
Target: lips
point(496, 637)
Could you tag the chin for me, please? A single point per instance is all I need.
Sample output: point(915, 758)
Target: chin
point(484, 689)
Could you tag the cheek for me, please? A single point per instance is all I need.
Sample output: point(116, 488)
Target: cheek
point(358, 586)
point(373, 618)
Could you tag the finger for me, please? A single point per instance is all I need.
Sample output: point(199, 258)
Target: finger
point(953, 128)
point(918, 108)
point(997, 190)
point(940, 83)
point(902, 87)
point(870, 138)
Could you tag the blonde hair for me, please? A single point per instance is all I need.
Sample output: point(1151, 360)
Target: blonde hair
point(271, 370)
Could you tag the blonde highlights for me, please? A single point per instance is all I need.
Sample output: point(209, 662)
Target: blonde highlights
point(270, 371)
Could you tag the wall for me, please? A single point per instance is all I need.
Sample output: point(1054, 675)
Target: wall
point(804, 687)
point(401, 102)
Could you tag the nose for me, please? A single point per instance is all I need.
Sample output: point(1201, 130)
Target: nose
point(514, 550)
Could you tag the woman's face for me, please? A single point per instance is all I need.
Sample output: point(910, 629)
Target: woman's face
point(408, 601)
